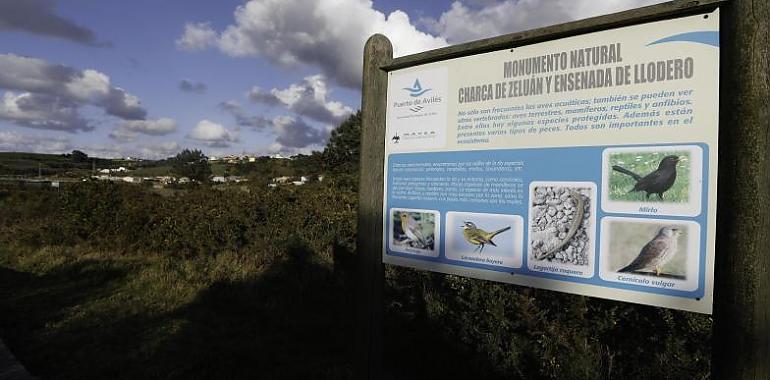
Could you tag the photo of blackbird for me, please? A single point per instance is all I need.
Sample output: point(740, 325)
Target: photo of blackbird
point(657, 182)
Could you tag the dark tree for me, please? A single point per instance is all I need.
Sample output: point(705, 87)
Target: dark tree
point(344, 147)
point(192, 164)
point(78, 156)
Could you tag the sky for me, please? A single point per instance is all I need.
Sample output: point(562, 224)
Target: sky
point(148, 78)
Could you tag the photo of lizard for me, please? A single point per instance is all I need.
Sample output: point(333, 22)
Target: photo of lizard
point(559, 219)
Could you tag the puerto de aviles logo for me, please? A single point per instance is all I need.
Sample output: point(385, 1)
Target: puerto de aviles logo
point(416, 89)
point(416, 109)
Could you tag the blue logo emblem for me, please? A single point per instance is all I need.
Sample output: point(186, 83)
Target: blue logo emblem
point(416, 89)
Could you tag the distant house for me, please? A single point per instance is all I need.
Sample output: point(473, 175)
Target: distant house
point(298, 183)
point(231, 159)
point(183, 180)
point(281, 179)
point(104, 171)
point(304, 179)
point(218, 179)
point(235, 179)
point(278, 156)
point(165, 179)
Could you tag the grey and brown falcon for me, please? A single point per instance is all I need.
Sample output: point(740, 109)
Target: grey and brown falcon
point(657, 252)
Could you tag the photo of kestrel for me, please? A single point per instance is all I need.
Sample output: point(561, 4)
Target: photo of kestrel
point(651, 249)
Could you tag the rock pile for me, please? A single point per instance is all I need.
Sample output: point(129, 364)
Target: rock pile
point(553, 212)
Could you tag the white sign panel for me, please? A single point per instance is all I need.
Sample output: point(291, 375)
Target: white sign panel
point(585, 164)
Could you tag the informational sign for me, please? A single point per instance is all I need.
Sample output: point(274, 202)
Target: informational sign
point(586, 164)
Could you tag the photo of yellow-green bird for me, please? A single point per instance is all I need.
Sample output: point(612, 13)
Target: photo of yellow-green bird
point(479, 237)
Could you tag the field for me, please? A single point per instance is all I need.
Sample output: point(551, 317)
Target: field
point(29, 165)
point(109, 280)
point(32, 164)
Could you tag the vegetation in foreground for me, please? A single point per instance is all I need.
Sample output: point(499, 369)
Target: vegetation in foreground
point(108, 280)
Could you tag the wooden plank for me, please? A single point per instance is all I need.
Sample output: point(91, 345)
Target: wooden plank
point(507, 41)
point(742, 271)
point(377, 53)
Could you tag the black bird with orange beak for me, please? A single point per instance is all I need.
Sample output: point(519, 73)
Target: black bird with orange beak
point(657, 182)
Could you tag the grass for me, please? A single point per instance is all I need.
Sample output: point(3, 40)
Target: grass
point(73, 313)
point(32, 164)
point(644, 163)
point(70, 313)
point(152, 171)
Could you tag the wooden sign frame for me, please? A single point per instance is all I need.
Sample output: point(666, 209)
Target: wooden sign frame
point(742, 268)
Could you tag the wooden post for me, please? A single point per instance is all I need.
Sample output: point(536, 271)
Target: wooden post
point(377, 53)
point(742, 270)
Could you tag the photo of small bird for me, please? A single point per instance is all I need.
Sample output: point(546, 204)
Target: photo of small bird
point(657, 252)
point(413, 230)
point(657, 182)
point(479, 237)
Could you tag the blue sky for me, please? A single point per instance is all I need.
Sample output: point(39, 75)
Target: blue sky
point(149, 78)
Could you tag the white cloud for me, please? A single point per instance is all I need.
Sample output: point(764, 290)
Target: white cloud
point(17, 142)
point(293, 132)
point(42, 112)
point(257, 122)
point(156, 127)
point(307, 98)
point(212, 134)
point(129, 130)
point(329, 34)
point(123, 135)
point(187, 85)
point(40, 17)
point(160, 150)
point(68, 86)
point(462, 23)
point(88, 87)
point(197, 36)
point(106, 150)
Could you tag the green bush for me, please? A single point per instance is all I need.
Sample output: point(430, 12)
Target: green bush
point(449, 325)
